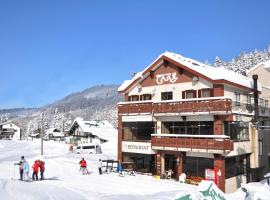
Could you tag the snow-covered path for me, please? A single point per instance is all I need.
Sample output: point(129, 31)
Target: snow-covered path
point(63, 180)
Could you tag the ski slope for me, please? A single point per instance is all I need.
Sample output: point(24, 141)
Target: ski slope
point(64, 181)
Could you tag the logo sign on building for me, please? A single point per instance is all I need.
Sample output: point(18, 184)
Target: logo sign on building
point(166, 78)
point(137, 147)
point(210, 174)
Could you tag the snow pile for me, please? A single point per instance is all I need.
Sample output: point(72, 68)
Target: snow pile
point(207, 190)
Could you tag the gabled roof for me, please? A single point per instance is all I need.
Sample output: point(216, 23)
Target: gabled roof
point(100, 128)
point(266, 65)
point(213, 74)
point(8, 122)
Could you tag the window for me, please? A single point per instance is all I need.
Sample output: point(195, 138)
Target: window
point(236, 165)
point(266, 103)
point(196, 166)
point(139, 131)
point(190, 94)
point(166, 96)
point(206, 93)
point(192, 128)
point(261, 102)
point(260, 146)
point(237, 98)
point(248, 99)
point(145, 97)
point(238, 131)
point(134, 98)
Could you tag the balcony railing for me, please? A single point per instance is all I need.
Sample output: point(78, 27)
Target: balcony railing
point(238, 107)
point(196, 143)
point(213, 104)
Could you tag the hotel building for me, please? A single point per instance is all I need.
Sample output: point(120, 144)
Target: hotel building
point(188, 117)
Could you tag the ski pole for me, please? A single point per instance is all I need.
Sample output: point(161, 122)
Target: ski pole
point(13, 172)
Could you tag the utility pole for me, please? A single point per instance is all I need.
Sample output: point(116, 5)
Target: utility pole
point(41, 133)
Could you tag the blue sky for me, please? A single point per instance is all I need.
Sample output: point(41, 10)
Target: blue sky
point(49, 49)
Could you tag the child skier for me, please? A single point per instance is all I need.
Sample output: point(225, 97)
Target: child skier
point(83, 166)
point(42, 169)
point(26, 171)
point(35, 170)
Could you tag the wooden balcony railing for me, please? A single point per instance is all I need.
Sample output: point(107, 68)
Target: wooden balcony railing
point(213, 104)
point(206, 143)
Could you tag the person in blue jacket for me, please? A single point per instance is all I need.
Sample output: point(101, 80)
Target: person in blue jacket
point(120, 168)
point(26, 171)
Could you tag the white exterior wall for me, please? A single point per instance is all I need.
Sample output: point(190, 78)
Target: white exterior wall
point(17, 130)
point(232, 184)
point(175, 88)
point(230, 92)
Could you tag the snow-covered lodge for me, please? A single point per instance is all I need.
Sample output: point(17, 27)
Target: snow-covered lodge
point(188, 117)
point(8, 130)
point(96, 131)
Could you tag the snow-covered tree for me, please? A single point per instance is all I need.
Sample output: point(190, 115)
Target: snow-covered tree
point(218, 62)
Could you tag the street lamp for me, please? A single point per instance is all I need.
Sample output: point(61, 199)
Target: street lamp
point(41, 134)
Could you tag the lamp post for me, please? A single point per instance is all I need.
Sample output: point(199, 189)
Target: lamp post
point(41, 134)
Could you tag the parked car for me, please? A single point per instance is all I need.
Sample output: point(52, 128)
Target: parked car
point(88, 148)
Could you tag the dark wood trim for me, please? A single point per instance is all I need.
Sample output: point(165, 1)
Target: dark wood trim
point(183, 67)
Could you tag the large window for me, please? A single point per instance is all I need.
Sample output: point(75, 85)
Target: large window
point(195, 166)
point(238, 131)
point(138, 131)
point(139, 162)
point(166, 96)
point(193, 128)
point(236, 165)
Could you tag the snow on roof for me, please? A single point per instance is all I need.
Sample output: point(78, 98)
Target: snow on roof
point(265, 64)
point(214, 73)
point(7, 122)
point(100, 128)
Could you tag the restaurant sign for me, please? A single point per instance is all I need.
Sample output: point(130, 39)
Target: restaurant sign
point(137, 147)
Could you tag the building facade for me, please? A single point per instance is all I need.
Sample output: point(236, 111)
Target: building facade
point(185, 116)
point(8, 130)
point(96, 131)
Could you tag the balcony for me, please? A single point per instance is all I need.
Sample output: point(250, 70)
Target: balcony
point(206, 105)
point(192, 143)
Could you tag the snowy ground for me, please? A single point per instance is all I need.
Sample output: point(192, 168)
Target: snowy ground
point(63, 180)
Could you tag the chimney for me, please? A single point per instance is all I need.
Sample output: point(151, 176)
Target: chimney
point(256, 96)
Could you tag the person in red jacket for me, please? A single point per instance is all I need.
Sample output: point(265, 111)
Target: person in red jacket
point(83, 166)
point(42, 169)
point(35, 170)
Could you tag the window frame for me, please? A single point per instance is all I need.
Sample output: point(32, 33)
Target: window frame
point(167, 95)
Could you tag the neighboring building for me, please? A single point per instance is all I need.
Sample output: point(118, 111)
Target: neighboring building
point(54, 134)
point(260, 164)
point(185, 116)
point(8, 130)
point(96, 131)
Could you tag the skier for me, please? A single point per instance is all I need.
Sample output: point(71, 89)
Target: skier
point(26, 171)
point(120, 168)
point(35, 170)
point(100, 166)
point(20, 163)
point(42, 169)
point(83, 166)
